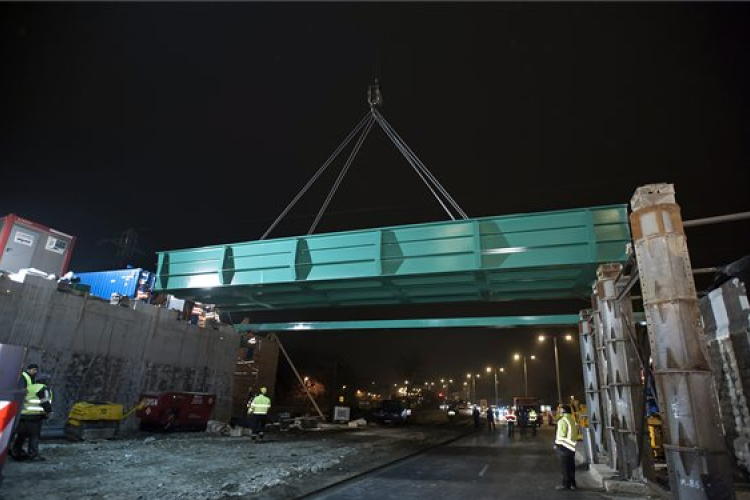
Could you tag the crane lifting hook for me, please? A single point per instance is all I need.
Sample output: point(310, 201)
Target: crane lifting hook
point(374, 97)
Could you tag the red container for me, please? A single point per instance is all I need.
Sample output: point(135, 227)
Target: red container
point(176, 410)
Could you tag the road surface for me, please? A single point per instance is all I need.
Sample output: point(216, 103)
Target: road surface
point(484, 465)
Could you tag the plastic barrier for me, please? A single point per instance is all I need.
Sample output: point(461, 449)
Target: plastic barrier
point(11, 396)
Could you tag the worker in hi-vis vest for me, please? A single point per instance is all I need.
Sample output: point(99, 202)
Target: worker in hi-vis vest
point(259, 412)
point(37, 405)
point(533, 420)
point(565, 444)
point(510, 419)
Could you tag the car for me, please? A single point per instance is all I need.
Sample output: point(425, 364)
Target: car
point(391, 412)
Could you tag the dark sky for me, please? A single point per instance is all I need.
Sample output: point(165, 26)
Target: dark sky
point(196, 124)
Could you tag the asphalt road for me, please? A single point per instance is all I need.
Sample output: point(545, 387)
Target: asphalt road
point(484, 465)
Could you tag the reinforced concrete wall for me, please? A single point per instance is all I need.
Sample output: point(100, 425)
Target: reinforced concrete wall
point(95, 351)
point(726, 319)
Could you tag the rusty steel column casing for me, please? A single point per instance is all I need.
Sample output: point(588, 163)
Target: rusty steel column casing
point(623, 369)
point(697, 458)
point(593, 435)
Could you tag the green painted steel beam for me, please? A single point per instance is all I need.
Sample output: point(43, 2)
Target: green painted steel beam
point(400, 324)
point(546, 255)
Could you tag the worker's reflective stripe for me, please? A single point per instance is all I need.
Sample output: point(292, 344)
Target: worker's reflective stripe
point(32, 407)
point(565, 432)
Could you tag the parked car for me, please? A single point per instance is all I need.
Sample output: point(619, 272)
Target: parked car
point(391, 412)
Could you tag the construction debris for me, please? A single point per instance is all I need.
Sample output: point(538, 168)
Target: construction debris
point(198, 466)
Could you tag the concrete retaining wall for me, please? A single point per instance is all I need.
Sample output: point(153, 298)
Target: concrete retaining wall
point(95, 351)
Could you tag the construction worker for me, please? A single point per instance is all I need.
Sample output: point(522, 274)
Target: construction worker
point(523, 419)
point(533, 420)
point(491, 419)
point(28, 376)
point(565, 444)
point(510, 418)
point(37, 406)
point(258, 413)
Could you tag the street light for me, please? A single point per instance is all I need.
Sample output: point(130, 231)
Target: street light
point(473, 386)
point(525, 372)
point(490, 370)
point(557, 363)
point(501, 369)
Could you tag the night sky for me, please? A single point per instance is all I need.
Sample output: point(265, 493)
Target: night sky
point(195, 124)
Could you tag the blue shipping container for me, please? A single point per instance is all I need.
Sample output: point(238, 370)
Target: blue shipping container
point(125, 282)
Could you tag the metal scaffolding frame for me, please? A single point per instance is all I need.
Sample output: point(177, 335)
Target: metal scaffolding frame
point(595, 451)
point(623, 365)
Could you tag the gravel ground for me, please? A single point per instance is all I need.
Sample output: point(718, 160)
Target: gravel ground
point(197, 466)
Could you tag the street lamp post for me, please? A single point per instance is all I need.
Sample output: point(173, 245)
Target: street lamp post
point(473, 386)
point(557, 364)
point(525, 372)
point(489, 369)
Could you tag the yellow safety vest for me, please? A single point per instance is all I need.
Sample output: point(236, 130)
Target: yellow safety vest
point(566, 432)
point(260, 405)
point(32, 403)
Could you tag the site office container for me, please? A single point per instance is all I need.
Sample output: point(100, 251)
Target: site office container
point(26, 244)
point(135, 283)
point(176, 410)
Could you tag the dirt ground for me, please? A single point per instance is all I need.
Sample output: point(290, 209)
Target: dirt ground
point(198, 466)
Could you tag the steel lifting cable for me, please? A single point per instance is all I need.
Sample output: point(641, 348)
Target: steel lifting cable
point(411, 162)
point(318, 174)
point(427, 171)
point(421, 170)
point(423, 167)
point(370, 121)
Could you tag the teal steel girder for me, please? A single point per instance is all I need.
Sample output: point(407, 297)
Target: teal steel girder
point(548, 255)
point(399, 324)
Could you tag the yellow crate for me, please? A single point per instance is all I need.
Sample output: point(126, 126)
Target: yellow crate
point(83, 411)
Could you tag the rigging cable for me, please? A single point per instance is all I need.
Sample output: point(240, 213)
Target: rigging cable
point(398, 140)
point(370, 122)
point(317, 174)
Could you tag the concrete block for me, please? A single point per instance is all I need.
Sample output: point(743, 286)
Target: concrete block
point(620, 487)
point(597, 473)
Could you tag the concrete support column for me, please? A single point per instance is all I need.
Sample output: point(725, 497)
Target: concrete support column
point(623, 370)
point(593, 434)
point(609, 441)
point(699, 466)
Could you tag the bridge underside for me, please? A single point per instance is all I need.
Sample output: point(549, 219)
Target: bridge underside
point(549, 255)
point(401, 324)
